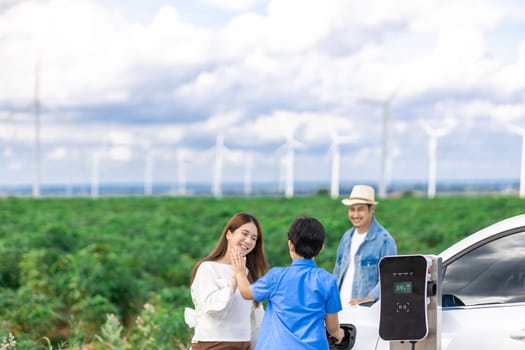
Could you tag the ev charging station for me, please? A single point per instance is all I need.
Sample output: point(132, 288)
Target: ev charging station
point(410, 315)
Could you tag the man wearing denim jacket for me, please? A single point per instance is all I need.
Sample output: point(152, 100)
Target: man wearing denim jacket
point(360, 249)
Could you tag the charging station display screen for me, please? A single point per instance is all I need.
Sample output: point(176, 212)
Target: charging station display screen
point(403, 282)
point(403, 287)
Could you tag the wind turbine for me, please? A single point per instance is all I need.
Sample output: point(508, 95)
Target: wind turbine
point(36, 175)
point(393, 154)
point(385, 107)
point(248, 165)
point(181, 172)
point(95, 173)
point(520, 131)
point(434, 134)
point(336, 141)
point(287, 162)
point(217, 169)
point(221, 153)
point(36, 144)
point(96, 157)
point(63, 154)
point(281, 164)
point(148, 172)
point(114, 148)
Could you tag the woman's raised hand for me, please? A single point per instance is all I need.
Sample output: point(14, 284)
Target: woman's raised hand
point(238, 262)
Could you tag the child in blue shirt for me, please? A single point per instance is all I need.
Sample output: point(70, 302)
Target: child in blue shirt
point(303, 300)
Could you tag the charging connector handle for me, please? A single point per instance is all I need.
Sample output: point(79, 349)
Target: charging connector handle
point(431, 288)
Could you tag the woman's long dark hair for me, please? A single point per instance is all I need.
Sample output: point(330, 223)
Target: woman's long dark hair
point(256, 261)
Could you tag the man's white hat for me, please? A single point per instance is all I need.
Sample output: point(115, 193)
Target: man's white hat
point(361, 194)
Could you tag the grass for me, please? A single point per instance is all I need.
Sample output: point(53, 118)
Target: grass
point(68, 263)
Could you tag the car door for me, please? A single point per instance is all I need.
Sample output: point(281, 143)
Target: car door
point(484, 295)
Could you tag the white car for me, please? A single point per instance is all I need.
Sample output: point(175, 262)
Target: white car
point(483, 294)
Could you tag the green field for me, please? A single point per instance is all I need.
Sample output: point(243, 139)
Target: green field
point(66, 264)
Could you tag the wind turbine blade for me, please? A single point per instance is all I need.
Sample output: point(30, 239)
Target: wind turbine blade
point(370, 101)
point(280, 149)
point(330, 150)
point(442, 131)
point(345, 140)
point(298, 144)
point(515, 129)
point(426, 127)
point(394, 93)
point(437, 132)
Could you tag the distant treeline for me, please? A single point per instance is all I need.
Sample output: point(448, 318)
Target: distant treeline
point(267, 188)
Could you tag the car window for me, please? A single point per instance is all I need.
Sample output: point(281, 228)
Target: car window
point(490, 274)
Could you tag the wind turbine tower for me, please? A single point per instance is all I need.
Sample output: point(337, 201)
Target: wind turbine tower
point(98, 155)
point(217, 170)
point(336, 162)
point(148, 173)
point(289, 159)
point(36, 177)
point(289, 177)
point(384, 149)
point(520, 131)
point(281, 163)
point(181, 173)
point(95, 170)
point(248, 165)
point(385, 156)
point(433, 134)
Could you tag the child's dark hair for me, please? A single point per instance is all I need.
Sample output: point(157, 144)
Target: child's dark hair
point(307, 235)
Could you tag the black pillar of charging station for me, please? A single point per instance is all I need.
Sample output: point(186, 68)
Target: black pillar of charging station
point(410, 315)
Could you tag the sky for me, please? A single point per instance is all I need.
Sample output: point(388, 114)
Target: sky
point(124, 86)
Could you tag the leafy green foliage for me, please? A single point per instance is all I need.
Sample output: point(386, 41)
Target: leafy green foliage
point(66, 264)
point(112, 335)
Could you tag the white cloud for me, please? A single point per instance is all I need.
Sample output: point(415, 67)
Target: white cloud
point(119, 153)
point(7, 152)
point(120, 138)
point(265, 68)
point(15, 165)
point(233, 5)
point(169, 41)
point(76, 46)
point(58, 153)
point(438, 15)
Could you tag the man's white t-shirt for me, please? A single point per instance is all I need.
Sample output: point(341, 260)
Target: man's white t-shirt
point(346, 287)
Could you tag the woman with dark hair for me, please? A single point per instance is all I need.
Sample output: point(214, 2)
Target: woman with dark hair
point(222, 318)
